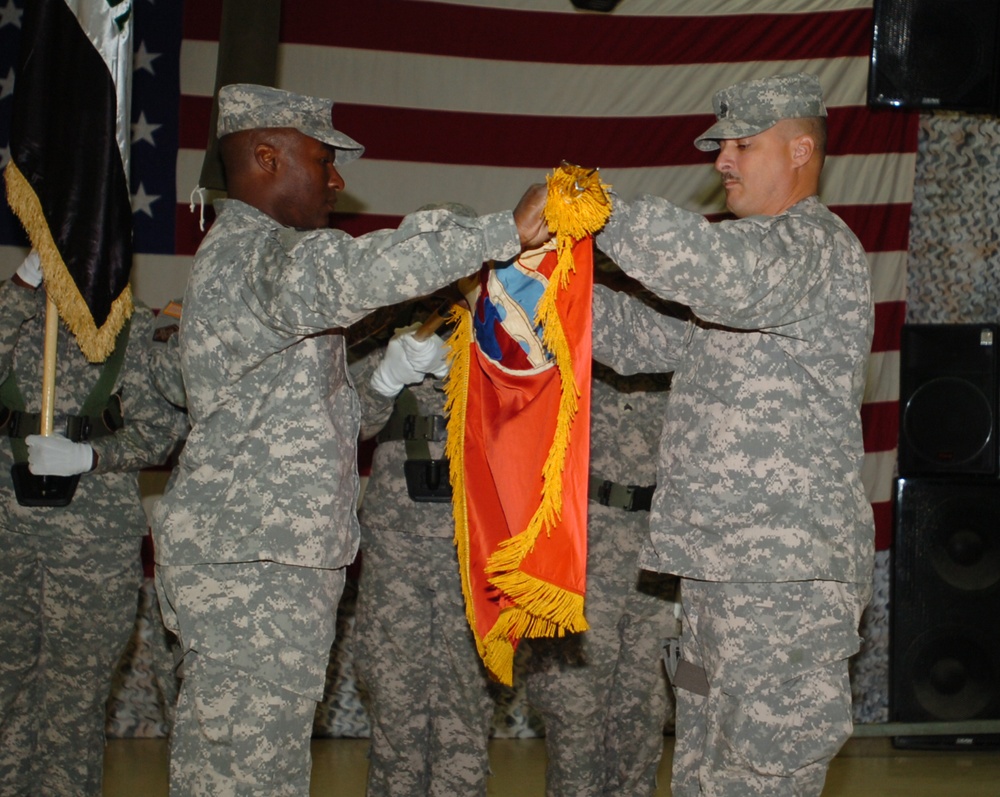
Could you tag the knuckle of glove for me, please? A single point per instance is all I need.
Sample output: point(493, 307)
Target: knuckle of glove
point(424, 355)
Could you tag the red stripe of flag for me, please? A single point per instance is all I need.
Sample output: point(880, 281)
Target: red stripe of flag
point(880, 422)
point(889, 318)
point(883, 524)
point(202, 20)
point(880, 228)
point(474, 32)
point(613, 142)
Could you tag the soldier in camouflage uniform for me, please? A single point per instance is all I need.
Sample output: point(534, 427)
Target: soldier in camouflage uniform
point(426, 690)
point(759, 505)
point(69, 575)
point(603, 694)
point(254, 534)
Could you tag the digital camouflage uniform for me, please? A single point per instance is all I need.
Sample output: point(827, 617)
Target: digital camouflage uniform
point(759, 504)
point(253, 536)
point(426, 689)
point(69, 576)
point(603, 694)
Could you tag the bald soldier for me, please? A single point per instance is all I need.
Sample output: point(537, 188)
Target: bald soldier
point(759, 505)
point(254, 534)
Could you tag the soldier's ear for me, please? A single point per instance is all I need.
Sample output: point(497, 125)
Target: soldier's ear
point(266, 156)
point(803, 146)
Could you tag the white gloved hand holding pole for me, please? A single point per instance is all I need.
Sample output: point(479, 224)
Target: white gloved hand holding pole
point(30, 270)
point(54, 455)
point(427, 355)
point(395, 371)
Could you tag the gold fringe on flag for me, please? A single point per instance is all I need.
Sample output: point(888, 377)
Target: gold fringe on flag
point(577, 206)
point(456, 392)
point(95, 342)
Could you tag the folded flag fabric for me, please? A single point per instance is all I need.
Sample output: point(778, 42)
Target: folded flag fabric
point(518, 430)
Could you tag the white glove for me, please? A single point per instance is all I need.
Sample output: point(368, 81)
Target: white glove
point(395, 371)
point(31, 269)
point(428, 356)
point(56, 456)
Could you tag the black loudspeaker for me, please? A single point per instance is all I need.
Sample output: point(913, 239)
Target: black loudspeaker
point(944, 649)
point(948, 400)
point(595, 5)
point(929, 54)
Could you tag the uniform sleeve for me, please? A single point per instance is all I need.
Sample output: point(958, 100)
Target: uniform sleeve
point(153, 426)
point(329, 279)
point(165, 364)
point(17, 304)
point(751, 273)
point(375, 408)
point(631, 337)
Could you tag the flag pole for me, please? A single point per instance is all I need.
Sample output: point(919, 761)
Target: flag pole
point(29, 489)
point(49, 368)
point(430, 326)
point(468, 287)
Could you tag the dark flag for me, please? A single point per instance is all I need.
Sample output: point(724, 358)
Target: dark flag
point(67, 179)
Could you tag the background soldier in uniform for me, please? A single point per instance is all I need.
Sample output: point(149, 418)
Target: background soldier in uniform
point(759, 504)
point(69, 575)
point(253, 536)
point(427, 691)
point(603, 694)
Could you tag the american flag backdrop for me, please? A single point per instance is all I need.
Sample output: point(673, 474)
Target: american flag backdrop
point(472, 100)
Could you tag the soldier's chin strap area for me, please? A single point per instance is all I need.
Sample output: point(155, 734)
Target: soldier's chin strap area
point(100, 415)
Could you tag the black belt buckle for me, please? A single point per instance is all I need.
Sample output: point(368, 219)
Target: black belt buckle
point(604, 492)
point(32, 490)
point(428, 480)
point(640, 498)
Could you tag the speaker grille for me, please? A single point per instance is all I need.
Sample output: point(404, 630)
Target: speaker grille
point(948, 422)
point(934, 54)
point(945, 606)
point(948, 400)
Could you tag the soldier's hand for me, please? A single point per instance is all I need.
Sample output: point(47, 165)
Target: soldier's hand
point(426, 355)
point(395, 371)
point(530, 218)
point(29, 273)
point(56, 456)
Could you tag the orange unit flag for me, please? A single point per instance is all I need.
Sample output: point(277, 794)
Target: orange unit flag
point(518, 435)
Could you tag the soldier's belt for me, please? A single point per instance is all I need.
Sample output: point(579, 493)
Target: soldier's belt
point(414, 427)
point(631, 498)
point(18, 425)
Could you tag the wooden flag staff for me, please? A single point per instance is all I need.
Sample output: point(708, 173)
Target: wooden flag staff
point(430, 326)
point(29, 489)
point(47, 419)
point(468, 289)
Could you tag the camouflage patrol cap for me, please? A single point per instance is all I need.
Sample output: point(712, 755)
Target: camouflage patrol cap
point(753, 106)
point(247, 106)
